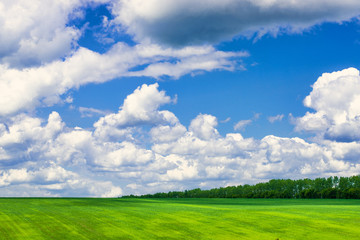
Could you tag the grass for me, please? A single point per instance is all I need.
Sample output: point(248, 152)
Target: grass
point(62, 218)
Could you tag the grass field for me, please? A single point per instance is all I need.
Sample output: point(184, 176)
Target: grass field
point(178, 219)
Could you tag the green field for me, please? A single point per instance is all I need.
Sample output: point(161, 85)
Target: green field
point(61, 218)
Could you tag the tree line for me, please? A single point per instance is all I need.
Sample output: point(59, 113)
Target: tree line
point(332, 187)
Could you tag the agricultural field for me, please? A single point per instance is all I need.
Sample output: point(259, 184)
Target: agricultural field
point(91, 218)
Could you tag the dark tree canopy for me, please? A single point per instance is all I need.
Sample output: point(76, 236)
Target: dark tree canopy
point(332, 187)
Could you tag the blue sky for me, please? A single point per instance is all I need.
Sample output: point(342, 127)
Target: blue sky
point(104, 98)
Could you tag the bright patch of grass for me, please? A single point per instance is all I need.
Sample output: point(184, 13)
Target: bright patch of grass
point(178, 219)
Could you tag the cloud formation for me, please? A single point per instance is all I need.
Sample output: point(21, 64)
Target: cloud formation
point(32, 33)
point(143, 149)
point(180, 23)
point(335, 99)
point(276, 118)
point(139, 108)
point(40, 59)
point(240, 125)
point(25, 89)
point(91, 112)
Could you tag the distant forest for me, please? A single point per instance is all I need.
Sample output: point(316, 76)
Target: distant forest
point(332, 187)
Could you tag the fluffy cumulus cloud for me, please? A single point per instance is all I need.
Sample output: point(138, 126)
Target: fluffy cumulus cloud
point(203, 126)
point(32, 33)
point(142, 149)
point(335, 99)
point(139, 108)
point(180, 23)
point(33, 163)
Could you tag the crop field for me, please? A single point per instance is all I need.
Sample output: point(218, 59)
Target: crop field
point(90, 218)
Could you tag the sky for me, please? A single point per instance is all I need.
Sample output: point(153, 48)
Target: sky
point(104, 98)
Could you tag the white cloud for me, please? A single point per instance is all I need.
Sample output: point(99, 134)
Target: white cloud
point(47, 158)
point(126, 154)
point(22, 130)
point(346, 151)
point(40, 60)
point(28, 88)
point(39, 155)
point(139, 108)
point(113, 192)
point(166, 133)
point(35, 32)
point(74, 146)
point(226, 120)
point(42, 176)
point(91, 112)
point(14, 175)
point(276, 118)
point(180, 23)
point(336, 100)
point(184, 169)
point(204, 62)
point(240, 125)
point(203, 127)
